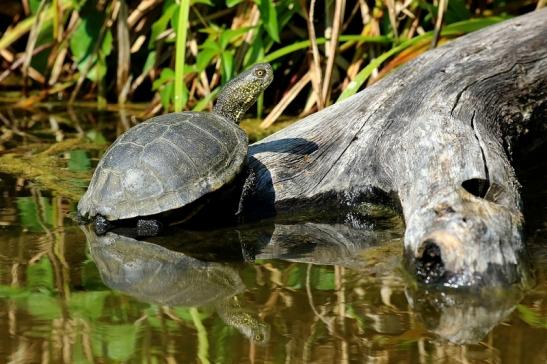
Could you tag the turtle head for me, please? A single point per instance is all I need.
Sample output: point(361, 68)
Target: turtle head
point(240, 93)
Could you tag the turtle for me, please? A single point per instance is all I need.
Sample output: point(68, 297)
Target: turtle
point(167, 162)
point(154, 274)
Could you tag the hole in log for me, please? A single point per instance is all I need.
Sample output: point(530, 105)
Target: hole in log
point(430, 266)
point(478, 187)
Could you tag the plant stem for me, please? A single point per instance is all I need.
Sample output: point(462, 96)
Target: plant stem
point(203, 342)
point(182, 26)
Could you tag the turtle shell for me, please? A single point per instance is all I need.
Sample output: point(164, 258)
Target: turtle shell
point(163, 164)
point(154, 274)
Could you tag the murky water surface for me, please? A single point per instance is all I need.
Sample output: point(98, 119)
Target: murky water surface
point(294, 290)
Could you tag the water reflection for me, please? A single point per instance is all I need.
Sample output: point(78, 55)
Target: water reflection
point(154, 274)
point(463, 317)
point(314, 289)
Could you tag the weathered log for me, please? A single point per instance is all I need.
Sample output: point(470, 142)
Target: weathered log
point(437, 133)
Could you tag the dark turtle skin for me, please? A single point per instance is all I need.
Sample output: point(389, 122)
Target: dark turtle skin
point(172, 160)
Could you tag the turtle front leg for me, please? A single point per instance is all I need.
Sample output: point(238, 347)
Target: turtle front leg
point(101, 225)
point(148, 227)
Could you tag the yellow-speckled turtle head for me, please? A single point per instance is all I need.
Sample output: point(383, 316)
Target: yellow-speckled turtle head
point(240, 93)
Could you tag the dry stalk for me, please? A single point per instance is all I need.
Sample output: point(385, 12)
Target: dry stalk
point(124, 59)
point(316, 63)
point(286, 100)
point(439, 22)
point(31, 43)
point(332, 45)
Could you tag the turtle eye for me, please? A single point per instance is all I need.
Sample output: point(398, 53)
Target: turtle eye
point(261, 72)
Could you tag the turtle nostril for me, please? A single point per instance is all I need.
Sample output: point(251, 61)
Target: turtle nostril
point(430, 266)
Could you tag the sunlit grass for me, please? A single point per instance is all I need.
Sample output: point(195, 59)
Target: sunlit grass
point(182, 52)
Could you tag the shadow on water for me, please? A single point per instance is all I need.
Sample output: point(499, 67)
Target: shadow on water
point(313, 288)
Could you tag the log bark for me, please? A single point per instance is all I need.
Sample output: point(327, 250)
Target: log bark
point(438, 133)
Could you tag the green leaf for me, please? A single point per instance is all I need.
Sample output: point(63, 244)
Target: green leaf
point(96, 137)
point(456, 10)
point(79, 161)
point(185, 314)
point(161, 24)
point(350, 312)
point(34, 5)
point(227, 65)
point(471, 25)
point(232, 3)
point(532, 317)
point(210, 43)
point(166, 95)
point(40, 275)
point(77, 4)
point(150, 62)
point(268, 15)
point(120, 340)
point(44, 306)
point(99, 71)
point(296, 276)
point(222, 340)
point(13, 292)
point(364, 74)
point(323, 278)
point(204, 101)
point(167, 75)
point(181, 25)
point(204, 58)
point(165, 85)
point(32, 217)
point(229, 35)
point(256, 51)
point(430, 9)
point(78, 352)
point(88, 305)
point(83, 43)
point(40, 61)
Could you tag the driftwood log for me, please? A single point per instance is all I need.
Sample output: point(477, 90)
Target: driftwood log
point(438, 134)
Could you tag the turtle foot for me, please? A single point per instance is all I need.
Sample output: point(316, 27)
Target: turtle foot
point(102, 225)
point(148, 227)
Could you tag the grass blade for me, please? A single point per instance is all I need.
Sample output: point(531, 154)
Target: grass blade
point(453, 29)
point(297, 46)
point(180, 45)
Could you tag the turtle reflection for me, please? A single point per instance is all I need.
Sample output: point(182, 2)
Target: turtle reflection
point(157, 275)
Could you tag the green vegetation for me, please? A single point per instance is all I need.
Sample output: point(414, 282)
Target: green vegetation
point(176, 54)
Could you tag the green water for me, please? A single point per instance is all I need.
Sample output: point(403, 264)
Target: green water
point(296, 290)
